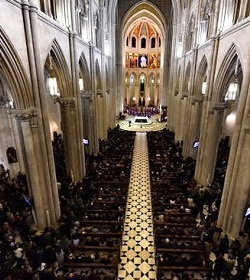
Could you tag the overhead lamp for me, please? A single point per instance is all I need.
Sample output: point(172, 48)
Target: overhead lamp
point(81, 87)
point(53, 90)
point(204, 88)
point(233, 87)
point(232, 91)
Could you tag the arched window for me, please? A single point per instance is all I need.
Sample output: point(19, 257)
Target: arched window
point(127, 42)
point(142, 83)
point(132, 79)
point(143, 43)
point(232, 92)
point(133, 42)
point(11, 155)
point(159, 42)
point(153, 43)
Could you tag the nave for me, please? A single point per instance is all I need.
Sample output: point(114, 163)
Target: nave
point(138, 249)
point(110, 227)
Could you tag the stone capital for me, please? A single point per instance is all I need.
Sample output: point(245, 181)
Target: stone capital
point(196, 99)
point(67, 102)
point(24, 115)
point(219, 106)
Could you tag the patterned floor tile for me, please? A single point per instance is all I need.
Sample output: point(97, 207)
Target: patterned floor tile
point(138, 250)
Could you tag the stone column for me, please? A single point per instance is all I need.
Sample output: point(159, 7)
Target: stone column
point(236, 186)
point(93, 105)
point(236, 196)
point(102, 114)
point(87, 121)
point(192, 131)
point(241, 196)
point(93, 129)
point(38, 87)
point(177, 117)
point(79, 166)
point(209, 146)
point(68, 111)
point(44, 205)
point(181, 117)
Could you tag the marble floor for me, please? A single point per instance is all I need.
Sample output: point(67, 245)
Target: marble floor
point(138, 249)
point(154, 124)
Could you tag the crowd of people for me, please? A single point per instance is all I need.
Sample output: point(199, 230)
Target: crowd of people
point(85, 244)
point(141, 111)
point(189, 244)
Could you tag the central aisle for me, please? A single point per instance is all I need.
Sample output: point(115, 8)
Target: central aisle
point(138, 249)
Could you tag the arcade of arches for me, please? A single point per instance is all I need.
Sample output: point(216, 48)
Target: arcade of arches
point(72, 68)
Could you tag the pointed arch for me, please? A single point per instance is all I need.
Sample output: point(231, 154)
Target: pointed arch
point(226, 73)
point(201, 76)
point(152, 77)
point(56, 65)
point(145, 75)
point(127, 77)
point(135, 78)
point(84, 72)
point(14, 72)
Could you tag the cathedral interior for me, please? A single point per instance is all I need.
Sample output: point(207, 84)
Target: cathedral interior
point(124, 139)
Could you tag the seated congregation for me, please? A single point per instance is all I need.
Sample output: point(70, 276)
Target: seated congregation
point(86, 243)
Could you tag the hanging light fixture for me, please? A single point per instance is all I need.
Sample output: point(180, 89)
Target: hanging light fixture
point(233, 87)
point(81, 86)
point(53, 89)
point(204, 88)
point(52, 82)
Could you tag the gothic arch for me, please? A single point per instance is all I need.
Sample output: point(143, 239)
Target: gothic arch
point(84, 70)
point(201, 76)
point(146, 10)
point(12, 67)
point(136, 78)
point(56, 64)
point(151, 76)
point(226, 72)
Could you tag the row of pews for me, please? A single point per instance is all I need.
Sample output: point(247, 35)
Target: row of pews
point(179, 250)
point(98, 253)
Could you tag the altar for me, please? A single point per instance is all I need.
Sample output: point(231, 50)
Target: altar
point(141, 120)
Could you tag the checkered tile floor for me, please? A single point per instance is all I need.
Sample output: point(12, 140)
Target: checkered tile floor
point(138, 250)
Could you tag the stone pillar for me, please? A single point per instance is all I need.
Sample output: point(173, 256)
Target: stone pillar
point(177, 117)
point(236, 196)
point(87, 121)
point(68, 111)
point(44, 204)
point(207, 157)
point(79, 165)
point(100, 115)
point(93, 105)
point(242, 190)
point(193, 128)
point(181, 117)
point(94, 137)
point(38, 87)
point(184, 102)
